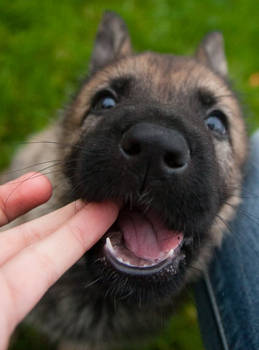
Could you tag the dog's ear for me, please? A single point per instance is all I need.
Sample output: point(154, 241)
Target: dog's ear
point(112, 41)
point(211, 53)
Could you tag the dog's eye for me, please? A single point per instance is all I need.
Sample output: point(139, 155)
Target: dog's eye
point(216, 122)
point(107, 102)
point(104, 100)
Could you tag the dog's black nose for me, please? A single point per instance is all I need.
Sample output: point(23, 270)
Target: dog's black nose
point(163, 148)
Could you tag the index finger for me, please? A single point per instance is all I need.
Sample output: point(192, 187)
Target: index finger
point(19, 237)
point(25, 278)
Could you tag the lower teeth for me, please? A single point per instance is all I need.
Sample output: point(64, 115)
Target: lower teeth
point(142, 263)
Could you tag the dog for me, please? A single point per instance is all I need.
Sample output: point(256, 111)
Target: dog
point(163, 136)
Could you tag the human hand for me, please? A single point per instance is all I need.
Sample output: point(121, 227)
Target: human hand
point(34, 255)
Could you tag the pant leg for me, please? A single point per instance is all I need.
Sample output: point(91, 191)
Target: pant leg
point(228, 296)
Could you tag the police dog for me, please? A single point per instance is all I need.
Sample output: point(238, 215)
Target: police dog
point(164, 137)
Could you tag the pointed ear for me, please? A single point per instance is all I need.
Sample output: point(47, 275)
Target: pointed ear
point(211, 53)
point(112, 41)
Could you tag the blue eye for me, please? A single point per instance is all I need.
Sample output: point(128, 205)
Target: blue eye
point(104, 100)
point(216, 122)
point(107, 102)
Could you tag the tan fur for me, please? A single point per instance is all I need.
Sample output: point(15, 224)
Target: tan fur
point(143, 66)
point(163, 82)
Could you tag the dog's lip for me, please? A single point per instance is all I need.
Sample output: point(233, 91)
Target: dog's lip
point(142, 252)
point(148, 268)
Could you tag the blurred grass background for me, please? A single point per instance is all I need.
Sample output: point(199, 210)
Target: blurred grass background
point(45, 47)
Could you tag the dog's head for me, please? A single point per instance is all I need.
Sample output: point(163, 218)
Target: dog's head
point(163, 136)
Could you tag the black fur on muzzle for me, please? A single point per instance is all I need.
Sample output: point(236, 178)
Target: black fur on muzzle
point(145, 158)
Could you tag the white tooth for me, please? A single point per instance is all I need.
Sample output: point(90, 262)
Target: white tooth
point(109, 245)
point(120, 259)
point(171, 252)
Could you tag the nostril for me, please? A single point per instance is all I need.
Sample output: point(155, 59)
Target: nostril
point(164, 150)
point(131, 147)
point(174, 160)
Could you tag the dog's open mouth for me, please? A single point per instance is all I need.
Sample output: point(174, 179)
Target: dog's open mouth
point(139, 243)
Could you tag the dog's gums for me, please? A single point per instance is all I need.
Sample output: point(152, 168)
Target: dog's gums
point(142, 244)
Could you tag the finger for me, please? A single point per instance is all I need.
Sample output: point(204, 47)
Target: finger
point(26, 277)
point(19, 237)
point(23, 194)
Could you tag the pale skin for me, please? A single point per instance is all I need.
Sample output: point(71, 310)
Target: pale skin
point(34, 255)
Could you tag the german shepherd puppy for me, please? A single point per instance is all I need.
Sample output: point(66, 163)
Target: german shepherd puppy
point(163, 136)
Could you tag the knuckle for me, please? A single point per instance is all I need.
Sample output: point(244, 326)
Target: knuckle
point(79, 235)
point(45, 265)
point(29, 234)
point(4, 219)
point(8, 299)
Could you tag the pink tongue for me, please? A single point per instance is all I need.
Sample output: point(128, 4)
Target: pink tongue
point(146, 236)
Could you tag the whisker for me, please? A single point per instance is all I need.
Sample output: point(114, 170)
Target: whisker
point(125, 296)
point(54, 143)
point(57, 161)
point(19, 183)
point(196, 268)
point(245, 213)
point(223, 96)
point(225, 223)
point(92, 283)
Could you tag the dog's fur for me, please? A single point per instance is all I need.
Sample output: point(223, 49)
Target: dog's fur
point(93, 303)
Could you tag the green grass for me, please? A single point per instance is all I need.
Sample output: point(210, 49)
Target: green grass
point(45, 47)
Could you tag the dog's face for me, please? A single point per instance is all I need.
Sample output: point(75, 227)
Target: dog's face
point(162, 136)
